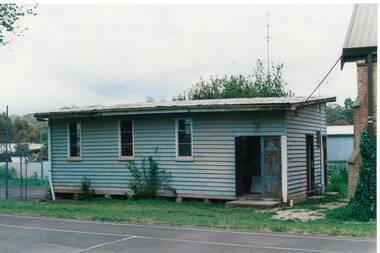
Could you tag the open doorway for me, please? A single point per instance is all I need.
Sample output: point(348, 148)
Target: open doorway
point(310, 163)
point(258, 166)
point(325, 163)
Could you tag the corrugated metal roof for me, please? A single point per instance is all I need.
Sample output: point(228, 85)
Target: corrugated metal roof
point(211, 104)
point(340, 130)
point(362, 31)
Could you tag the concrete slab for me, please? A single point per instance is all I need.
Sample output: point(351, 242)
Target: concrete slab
point(253, 203)
point(316, 197)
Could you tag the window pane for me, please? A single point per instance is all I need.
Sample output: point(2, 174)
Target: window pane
point(73, 150)
point(181, 124)
point(126, 150)
point(126, 125)
point(188, 124)
point(126, 138)
point(184, 137)
point(74, 139)
point(184, 150)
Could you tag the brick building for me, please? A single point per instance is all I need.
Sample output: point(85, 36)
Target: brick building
point(360, 46)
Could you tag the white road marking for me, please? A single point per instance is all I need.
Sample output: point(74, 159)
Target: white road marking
point(167, 239)
point(105, 244)
point(193, 229)
point(63, 230)
point(238, 245)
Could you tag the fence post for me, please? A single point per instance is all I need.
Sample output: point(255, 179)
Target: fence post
point(26, 179)
point(20, 177)
point(41, 159)
point(6, 153)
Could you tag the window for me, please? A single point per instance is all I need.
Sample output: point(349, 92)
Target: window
point(184, 138)
point(126, 137)
point(318, 139)
point(74, 139)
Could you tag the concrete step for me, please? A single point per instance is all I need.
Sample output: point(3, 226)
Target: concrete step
point(256, 197)
point(260, 204)
point(332, 193)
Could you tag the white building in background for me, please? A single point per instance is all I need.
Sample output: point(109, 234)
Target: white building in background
point(340, 144)
point(29, 168)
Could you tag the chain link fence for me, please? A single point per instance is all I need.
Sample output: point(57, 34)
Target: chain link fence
point(26, 180)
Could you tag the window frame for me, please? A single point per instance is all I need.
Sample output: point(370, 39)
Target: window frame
point(79, 126)
point(184, 158)
point(120, 156)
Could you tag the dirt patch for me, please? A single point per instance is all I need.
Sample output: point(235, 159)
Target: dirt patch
point(298, 214)
point(332, 205)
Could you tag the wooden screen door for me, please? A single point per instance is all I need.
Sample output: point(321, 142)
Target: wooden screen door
point(271, 166)
point(310, 162)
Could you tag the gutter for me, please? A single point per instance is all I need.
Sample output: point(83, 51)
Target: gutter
point(177, 109)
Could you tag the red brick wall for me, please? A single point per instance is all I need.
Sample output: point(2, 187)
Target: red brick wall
point(360, 112)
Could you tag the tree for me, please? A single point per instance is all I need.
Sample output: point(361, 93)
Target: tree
point(22, 129)
point(338, 115)
point(9, 15)
point(259, 84)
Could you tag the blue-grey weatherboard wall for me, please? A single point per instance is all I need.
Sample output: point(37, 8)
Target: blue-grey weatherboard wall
point(211, 171)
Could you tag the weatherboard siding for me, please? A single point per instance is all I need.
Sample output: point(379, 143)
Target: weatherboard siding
point(306, 120)
point(211, 173)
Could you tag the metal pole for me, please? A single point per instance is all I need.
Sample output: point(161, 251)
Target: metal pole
point(321, 151)
point(41, 160)
point(26, 179)
point(20, 176)
point(370, 94)
point(6, 154)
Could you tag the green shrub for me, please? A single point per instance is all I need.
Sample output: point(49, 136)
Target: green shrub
point(338, 180)
point(148, 179)
point(11, 172)
point(363, 206)
point(85, 190)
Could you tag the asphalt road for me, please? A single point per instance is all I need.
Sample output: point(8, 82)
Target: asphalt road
point(39, 235)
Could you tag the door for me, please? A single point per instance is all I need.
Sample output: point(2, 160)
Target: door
point(325, 163)
point(310, 163)
point(271, 166)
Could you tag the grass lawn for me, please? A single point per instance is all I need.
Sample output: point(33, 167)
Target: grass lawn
point(188, 214)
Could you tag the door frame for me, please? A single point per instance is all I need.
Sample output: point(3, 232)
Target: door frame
point(310, 163)
point(239, 189)
point(283, 164)
point(325, 161)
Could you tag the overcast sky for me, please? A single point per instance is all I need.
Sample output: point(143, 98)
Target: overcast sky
point(109, 54)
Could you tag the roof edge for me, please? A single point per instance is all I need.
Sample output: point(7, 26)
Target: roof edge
point(179, 109)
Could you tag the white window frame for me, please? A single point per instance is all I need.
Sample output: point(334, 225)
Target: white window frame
point(184, 158)
point(79, 126)
point(119, 140)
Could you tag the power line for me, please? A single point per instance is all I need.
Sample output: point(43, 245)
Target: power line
point(321, 82)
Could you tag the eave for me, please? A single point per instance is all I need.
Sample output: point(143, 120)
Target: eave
point(357, 53)
point(177, 109)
